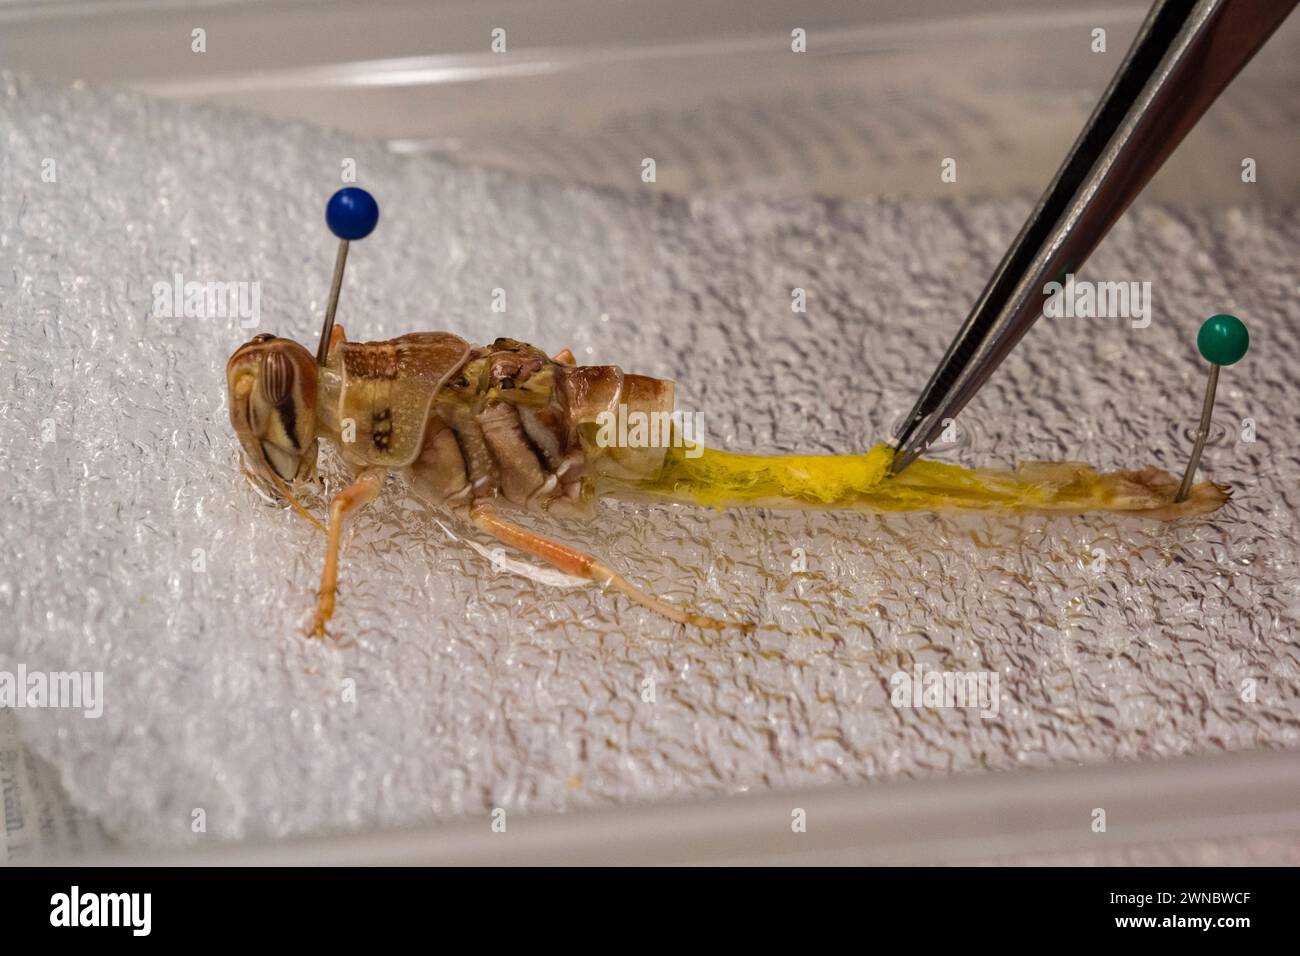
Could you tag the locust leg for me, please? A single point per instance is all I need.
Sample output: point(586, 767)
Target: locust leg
point(583, 565)
point(364, 489)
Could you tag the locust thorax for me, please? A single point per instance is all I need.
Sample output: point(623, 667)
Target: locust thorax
point(577, 422)
point(272, 384)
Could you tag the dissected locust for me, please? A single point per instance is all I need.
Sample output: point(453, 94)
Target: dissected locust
point(504, 427)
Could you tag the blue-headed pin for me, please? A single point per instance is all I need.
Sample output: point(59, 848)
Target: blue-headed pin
point(351, 213)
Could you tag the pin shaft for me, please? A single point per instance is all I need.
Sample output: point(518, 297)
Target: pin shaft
point(1202, 433)
point(322, 350)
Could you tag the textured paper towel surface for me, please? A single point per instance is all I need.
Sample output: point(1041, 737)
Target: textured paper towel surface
point(133, 547)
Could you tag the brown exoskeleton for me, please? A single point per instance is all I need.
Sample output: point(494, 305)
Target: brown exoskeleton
point(476, 430)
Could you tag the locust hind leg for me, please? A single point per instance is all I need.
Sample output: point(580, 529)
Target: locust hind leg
point(583, 565)
point(364, 489)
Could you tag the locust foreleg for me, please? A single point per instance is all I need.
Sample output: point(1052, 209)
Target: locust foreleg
point(364, 489)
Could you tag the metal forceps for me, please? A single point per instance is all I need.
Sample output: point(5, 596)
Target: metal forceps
point(1184, 55)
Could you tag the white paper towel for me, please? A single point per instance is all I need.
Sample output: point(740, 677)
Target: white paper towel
point(133, 548)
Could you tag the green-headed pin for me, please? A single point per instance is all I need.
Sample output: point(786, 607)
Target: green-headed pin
point(1223, 340)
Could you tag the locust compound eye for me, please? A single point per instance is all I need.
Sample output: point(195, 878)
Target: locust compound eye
point(277, 377)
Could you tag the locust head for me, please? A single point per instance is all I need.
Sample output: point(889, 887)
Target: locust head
point(272, 383)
